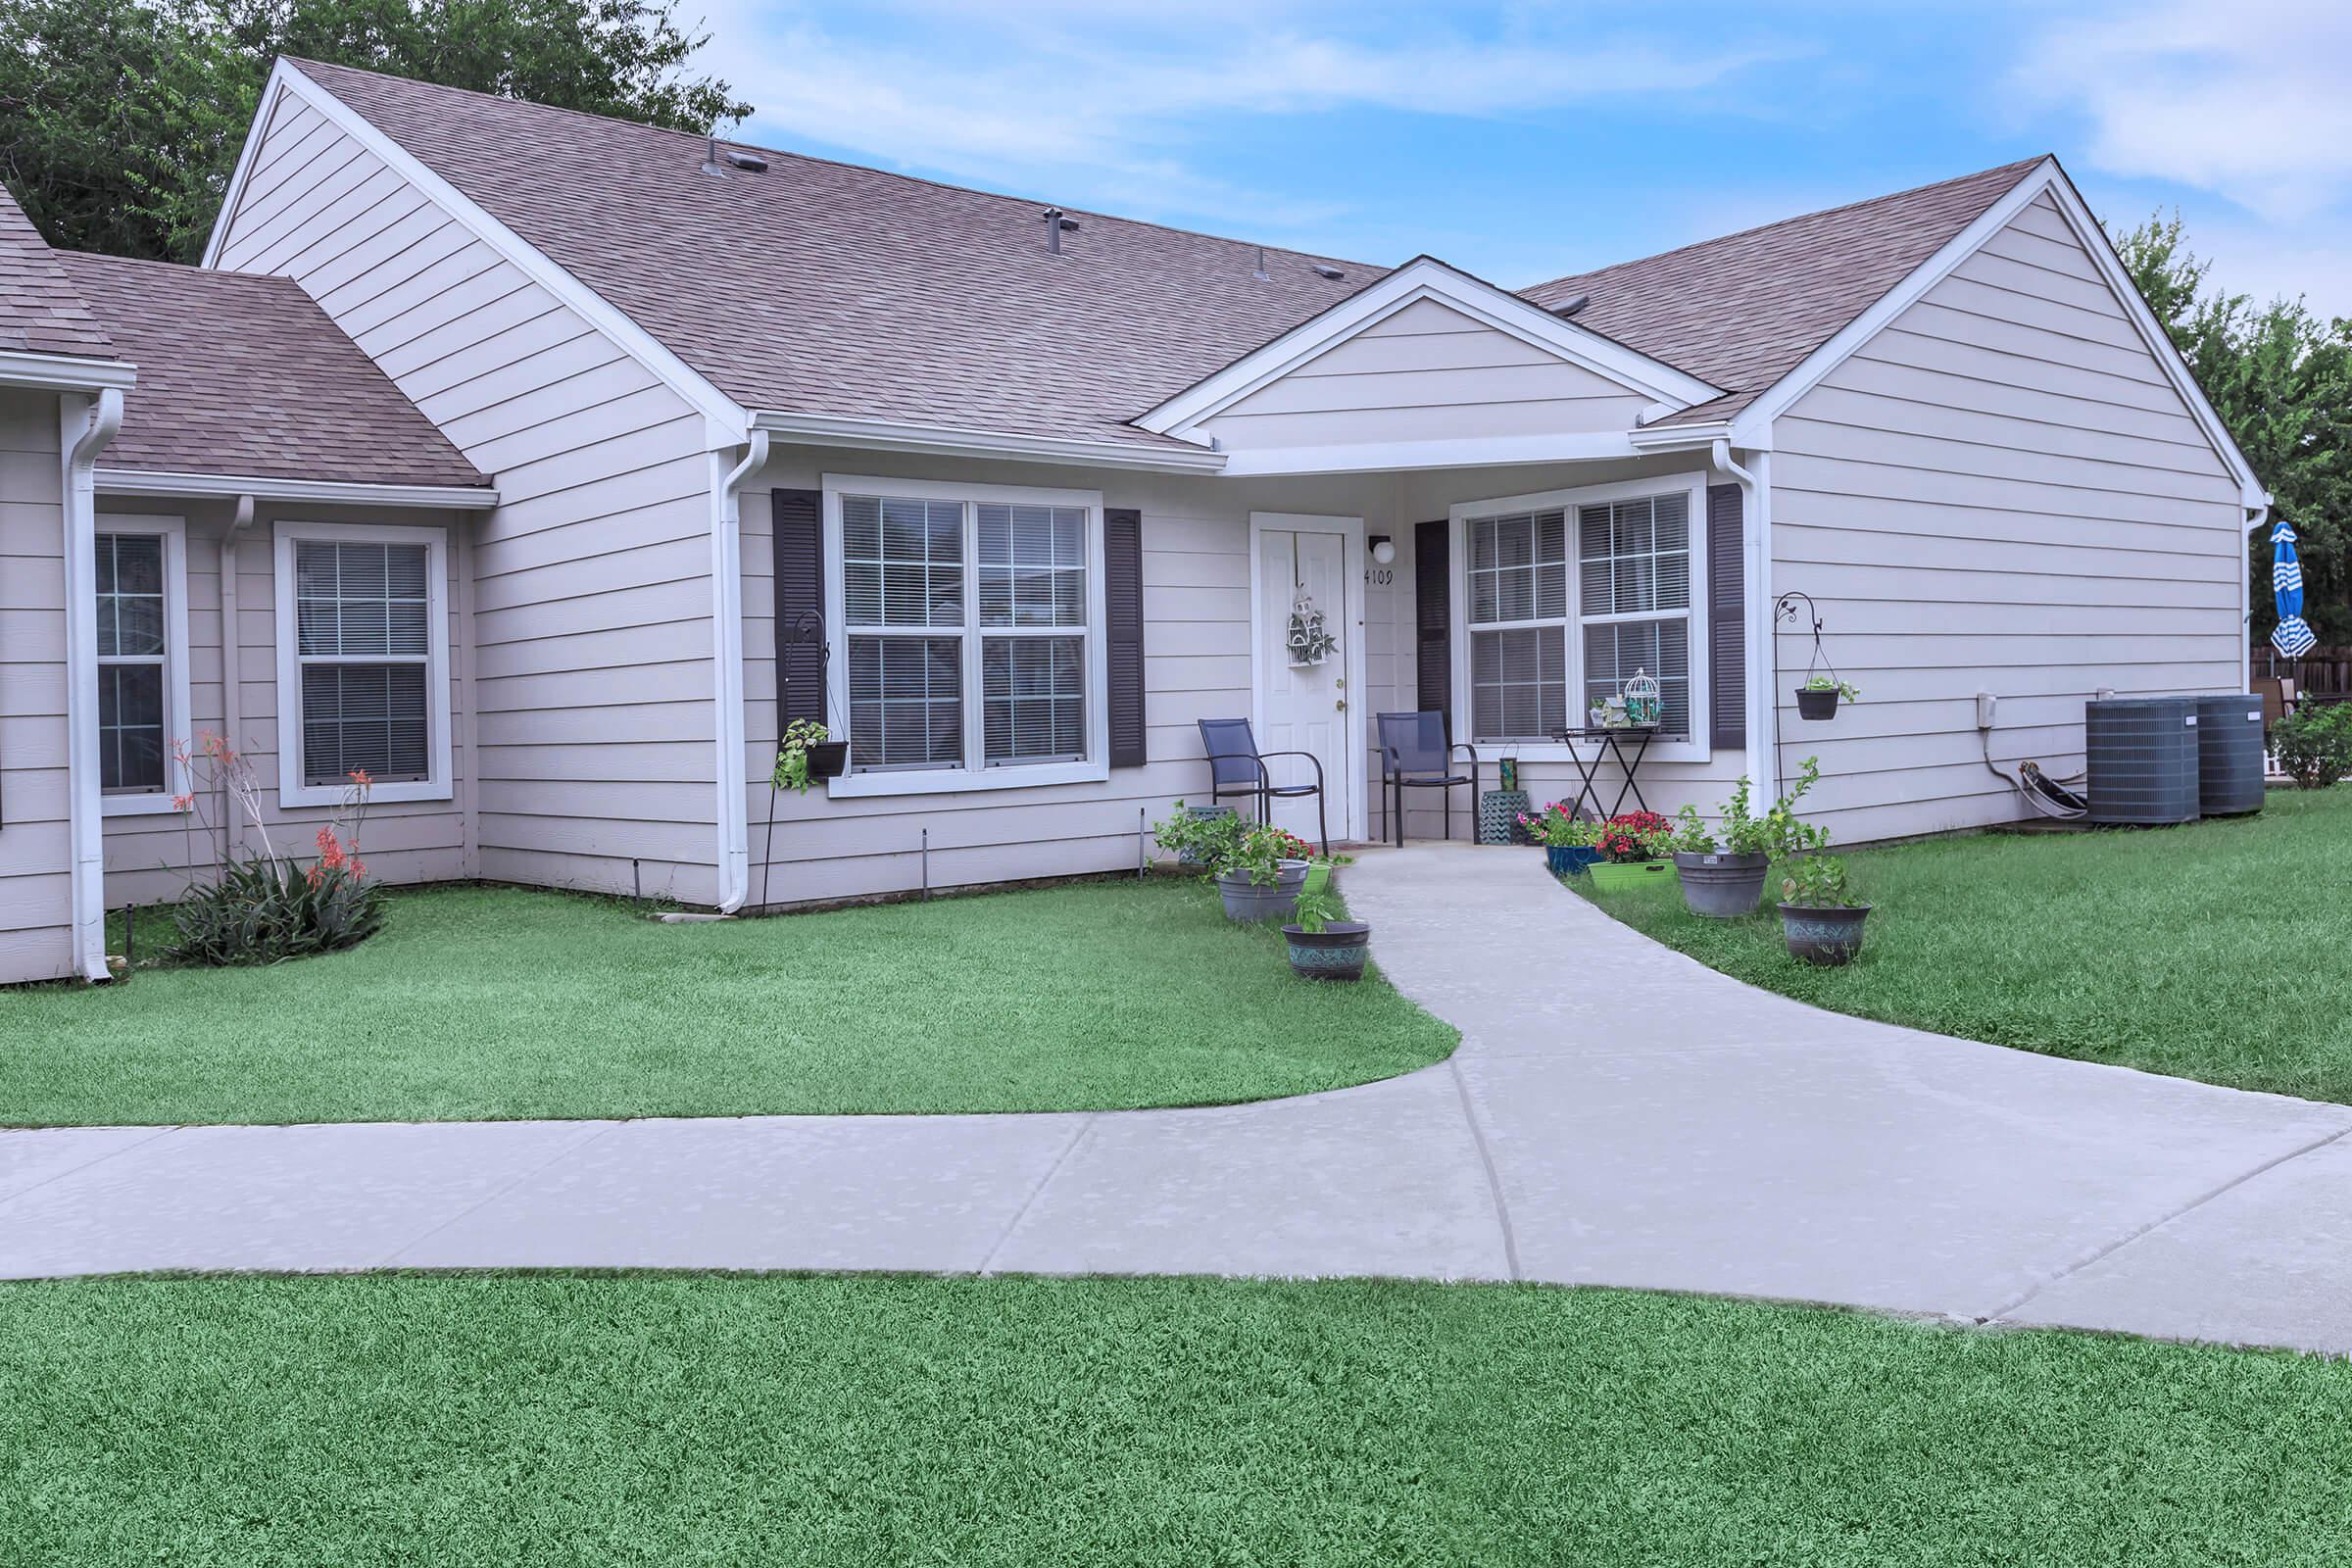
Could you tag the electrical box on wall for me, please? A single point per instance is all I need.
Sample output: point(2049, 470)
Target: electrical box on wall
point(1987, 707)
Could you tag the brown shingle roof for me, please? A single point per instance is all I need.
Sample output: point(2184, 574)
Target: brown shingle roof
point(39, 310)
point(1744, 311)
point(819, 288)
point(240, 374)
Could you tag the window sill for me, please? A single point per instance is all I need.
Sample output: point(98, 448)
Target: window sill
point(423, 789)
point(964, 781)
point(157, 804)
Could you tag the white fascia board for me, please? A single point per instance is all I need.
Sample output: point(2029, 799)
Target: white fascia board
point(1470, 451)
point(1752, 429)
point(64, 372)
point(533, 263)
point(893, 435)
point(1426, 278)
point(320, 492)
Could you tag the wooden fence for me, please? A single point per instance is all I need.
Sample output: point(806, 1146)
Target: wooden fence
point(2321, 673)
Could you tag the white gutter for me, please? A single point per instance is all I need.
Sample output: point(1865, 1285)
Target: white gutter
point(64, 372)
point(1763, 702)
point(85, 426)
point(315, 492)
point(2256, 517)
point(232, 703)
point(726, 652)
point(894, 435)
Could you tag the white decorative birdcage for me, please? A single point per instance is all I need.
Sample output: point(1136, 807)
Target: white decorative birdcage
point(1309, 641)
point(1643, 703)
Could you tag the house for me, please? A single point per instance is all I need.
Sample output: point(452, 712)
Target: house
point(548, 464)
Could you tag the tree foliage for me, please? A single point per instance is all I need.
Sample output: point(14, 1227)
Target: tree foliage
point(2282, 379)
point(120, 120)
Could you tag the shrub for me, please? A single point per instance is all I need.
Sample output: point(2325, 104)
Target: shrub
point(2313, 745)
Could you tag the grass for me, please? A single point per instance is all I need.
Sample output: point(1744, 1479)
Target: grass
point(2213, 951)
point(461, 1419)
point(485, 1003)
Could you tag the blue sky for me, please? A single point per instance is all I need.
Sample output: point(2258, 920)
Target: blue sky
point(1526, 141)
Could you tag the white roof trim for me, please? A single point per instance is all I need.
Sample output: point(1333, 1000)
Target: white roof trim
point(1467, 451)
point(1425, 277)
point(534, 263)
point(1752, 427)
point(320, 492)
point(64, 372)
point(893, 435)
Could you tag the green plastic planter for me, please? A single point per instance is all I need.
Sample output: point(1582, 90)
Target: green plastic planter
point(1611, 875)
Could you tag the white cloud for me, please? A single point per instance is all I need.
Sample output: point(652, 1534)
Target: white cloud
point(1110, 103)
point(2246, 98)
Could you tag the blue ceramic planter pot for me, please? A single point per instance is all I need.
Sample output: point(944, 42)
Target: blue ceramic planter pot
point(1569, 859)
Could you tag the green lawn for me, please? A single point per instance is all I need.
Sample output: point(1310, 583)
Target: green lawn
point(480, 1002)
point(461, 1419)
point(2216, 950)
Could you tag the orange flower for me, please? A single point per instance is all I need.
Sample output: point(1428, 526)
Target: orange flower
point(330, 852)
point(358, 776)
point(358, 869)
point(183, 802)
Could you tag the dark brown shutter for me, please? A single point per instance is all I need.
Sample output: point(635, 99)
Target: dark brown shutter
point(1123, 640)
point(799, 548)
point(1432, 621)
point(1726, 618)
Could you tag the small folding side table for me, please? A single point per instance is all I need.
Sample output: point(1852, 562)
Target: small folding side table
point(1609, 742)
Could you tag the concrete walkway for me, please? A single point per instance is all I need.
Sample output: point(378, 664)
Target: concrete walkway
point(1617, 1114)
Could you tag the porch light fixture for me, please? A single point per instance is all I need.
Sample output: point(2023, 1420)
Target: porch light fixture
point(1384, 549)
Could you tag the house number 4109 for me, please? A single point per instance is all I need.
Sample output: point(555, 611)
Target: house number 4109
point(1380, 577)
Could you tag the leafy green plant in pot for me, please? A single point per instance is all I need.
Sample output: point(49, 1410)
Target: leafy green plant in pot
point(1724, 867)
point(1819, 917)
point(1324, 947)
point(806, 754)
point(1258, 868)
point(1818, 698)
point(1632, 846)
point(1570, 841)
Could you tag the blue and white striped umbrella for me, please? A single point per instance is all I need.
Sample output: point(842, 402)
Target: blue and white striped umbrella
point(2293, 636)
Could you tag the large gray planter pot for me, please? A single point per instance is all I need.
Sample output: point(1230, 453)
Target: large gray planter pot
point(1249, 901)
point(1722, 887)
point(1827, 935)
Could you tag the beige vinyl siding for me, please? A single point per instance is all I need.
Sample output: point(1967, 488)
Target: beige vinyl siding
point(2001, 491)
point(37, 900)
point(1427, 372)
point(148, 856)
point(592, 584)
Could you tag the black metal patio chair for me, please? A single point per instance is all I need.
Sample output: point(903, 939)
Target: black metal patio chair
point(1236, 766)
point(1414, 755)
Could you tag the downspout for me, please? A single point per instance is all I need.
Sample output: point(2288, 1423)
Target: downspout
point(1762, 701)
point(726, 609)
point(2257, 517)
point(97, 424)
point(232, 704)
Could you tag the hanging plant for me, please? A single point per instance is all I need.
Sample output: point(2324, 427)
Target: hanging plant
point(1817, 699)
point(1309, 641)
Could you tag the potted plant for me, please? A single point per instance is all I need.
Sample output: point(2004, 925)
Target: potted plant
point(1324, 947)
point(807, 753)
point(1818, 697)
point(1723, 878)
point(1818, 913)
point(1568, 840)
point(1258, 868)
point(1631, 846)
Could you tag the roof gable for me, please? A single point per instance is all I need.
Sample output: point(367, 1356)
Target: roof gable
point(1482, 329)
point(826, 289)
point(1746, 310)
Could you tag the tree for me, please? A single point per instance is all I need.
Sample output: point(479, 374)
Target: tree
point(120, 120)
point(2281, 380)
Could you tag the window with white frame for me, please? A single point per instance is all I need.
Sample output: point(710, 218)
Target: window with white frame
point(970, 632)
point(135, 657)
point(1565, 604)
point(363, 661)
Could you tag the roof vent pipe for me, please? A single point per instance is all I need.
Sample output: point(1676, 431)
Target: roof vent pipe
point(710, 163)
point(1261, 274)
point(1054, 224)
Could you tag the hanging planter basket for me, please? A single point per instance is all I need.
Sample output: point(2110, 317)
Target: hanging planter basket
point(1817, 701)
point(828, 760)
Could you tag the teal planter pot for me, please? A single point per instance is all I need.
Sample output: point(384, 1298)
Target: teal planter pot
point(1569, 859)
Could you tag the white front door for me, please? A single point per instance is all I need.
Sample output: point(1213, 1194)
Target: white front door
point(1307, 704)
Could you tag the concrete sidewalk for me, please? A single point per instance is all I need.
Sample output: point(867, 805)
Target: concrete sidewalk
point(1617, 1114)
